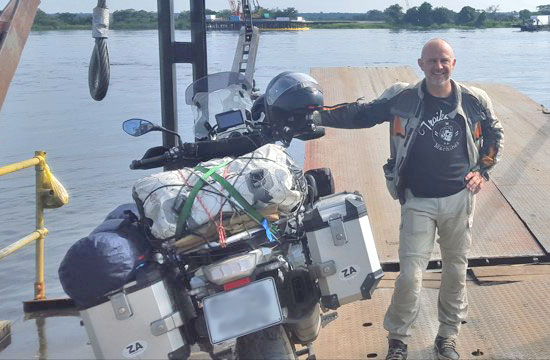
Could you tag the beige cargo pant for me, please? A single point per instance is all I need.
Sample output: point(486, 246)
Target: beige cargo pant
point(420, 217)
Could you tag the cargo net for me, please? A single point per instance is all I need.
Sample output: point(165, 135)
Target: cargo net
point(268, 179)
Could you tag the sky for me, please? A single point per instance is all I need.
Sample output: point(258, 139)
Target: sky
point(359, 6)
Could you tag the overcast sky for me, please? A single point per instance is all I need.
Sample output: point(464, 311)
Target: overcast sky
point(53, 6)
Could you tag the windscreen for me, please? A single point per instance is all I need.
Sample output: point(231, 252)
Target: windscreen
point(217, 94)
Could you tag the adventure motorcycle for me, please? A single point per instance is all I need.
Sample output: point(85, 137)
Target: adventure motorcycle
point(235, 249)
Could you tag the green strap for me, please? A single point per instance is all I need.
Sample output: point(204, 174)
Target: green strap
point(186, 211)
point(269, 230)
point(234, 193)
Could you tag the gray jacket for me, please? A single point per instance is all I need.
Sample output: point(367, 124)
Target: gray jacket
point(402, 106)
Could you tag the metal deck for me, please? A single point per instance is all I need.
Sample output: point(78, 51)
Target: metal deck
point(508, 321)
point(511, 214)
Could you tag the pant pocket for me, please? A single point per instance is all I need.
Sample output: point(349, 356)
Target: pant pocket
point(412, 224)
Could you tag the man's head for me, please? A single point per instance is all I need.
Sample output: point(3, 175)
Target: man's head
point(437, 62)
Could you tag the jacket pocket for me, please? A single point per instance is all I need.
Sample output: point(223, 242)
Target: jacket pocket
point(391, 182)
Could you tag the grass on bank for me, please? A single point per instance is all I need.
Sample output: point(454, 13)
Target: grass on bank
point(358, 25)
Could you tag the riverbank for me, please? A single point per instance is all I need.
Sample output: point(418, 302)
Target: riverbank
point(361, 25)
point(331, 26)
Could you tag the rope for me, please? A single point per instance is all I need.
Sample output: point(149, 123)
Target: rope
point(99, 69)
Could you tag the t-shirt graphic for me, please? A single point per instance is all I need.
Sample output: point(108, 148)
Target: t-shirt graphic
point(446, 132)
point(438, 160)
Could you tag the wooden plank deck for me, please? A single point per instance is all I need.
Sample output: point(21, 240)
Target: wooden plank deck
point(511, 218)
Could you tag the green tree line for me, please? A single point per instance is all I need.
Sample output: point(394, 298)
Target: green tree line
point(424, 16)
point(138, 19)
point(427, 16)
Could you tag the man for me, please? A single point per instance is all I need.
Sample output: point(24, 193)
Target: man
point(445, 138)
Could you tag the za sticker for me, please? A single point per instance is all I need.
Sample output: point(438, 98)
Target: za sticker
point(349, 272)
point(134, 349)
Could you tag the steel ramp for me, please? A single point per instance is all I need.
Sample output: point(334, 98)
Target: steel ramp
point(512, 215)
point(505, 322)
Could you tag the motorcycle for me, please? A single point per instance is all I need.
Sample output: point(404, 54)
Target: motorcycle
point(246, 255)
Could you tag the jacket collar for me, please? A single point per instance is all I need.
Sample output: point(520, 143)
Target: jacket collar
point(457, 91)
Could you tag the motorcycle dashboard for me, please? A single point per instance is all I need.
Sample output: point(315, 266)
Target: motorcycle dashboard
point(229, 119)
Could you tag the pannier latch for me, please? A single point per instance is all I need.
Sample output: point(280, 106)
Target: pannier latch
point(325, 269)
point(336, 223)
point(121, 306)
point(166, 324)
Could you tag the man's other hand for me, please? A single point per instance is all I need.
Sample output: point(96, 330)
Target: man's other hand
point(474, 181)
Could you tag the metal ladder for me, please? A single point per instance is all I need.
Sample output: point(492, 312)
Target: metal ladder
point(247, 46)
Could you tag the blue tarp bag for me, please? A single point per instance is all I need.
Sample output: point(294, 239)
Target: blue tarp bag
point(105, 260)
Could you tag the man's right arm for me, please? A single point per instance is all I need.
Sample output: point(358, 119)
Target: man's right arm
point(362, 115)
point(355, 115)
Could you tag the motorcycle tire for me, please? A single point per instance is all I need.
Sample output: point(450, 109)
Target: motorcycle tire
point(269, 344)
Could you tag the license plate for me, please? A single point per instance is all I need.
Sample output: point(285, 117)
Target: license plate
point(242, 311)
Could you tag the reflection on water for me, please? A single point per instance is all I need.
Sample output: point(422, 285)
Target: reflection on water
point(55, 337)
point(5, 342)
point(42, 343)
point(49, 108)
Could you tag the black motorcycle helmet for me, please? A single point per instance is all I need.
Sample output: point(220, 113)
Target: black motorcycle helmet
point(258, 108)
point(291, 95)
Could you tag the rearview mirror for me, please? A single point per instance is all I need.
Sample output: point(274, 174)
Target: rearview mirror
point(138, 127)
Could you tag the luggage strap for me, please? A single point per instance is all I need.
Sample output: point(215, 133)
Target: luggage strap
point(184, 214)
point(186, 211)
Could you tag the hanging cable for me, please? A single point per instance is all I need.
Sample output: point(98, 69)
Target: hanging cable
point(98, 71)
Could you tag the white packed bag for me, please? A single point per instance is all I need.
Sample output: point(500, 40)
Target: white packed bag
point(265, 177)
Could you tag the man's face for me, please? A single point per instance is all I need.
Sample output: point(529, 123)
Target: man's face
point(437, 63)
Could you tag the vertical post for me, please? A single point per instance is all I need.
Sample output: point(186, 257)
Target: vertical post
point(39, 288)
point(198, 38)
point(172, 52)
point(167, 70)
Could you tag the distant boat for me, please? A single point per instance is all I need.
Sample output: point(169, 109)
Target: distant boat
point(536, 23)
point(532, 28)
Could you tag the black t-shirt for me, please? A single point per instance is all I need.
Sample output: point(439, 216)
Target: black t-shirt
point(438, 161)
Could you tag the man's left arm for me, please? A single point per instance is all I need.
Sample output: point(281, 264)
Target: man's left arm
point(491, 149)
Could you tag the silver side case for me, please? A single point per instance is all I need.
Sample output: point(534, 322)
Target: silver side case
point(140, 324)
point(343, 252)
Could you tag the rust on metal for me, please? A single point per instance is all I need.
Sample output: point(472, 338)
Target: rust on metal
point(356, 158)
point(39, 291)
point(15, 24)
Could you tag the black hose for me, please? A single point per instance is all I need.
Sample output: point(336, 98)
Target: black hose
point(99, 69)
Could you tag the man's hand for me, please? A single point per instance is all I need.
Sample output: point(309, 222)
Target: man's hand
point(474, 181)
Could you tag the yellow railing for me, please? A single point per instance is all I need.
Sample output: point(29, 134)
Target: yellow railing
point(39, 162)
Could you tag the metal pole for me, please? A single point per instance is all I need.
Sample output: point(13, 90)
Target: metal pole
point(10, 249)
point(39, 288)
point(168, 88)
point(198, 38)
point(4, 170)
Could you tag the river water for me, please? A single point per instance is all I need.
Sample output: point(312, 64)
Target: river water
point(48, 107)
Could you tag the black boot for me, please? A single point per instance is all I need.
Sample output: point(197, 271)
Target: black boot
point(446, 348)
point(397, 350)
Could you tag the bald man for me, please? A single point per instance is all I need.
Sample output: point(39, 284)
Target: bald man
point(444, 141)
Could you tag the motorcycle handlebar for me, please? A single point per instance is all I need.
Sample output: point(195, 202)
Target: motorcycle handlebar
point(148, 163)
point(189, 154)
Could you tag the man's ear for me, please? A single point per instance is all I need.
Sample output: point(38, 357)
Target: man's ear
point(421, 64)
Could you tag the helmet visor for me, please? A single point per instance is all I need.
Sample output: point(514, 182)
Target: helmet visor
point(286, 82)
